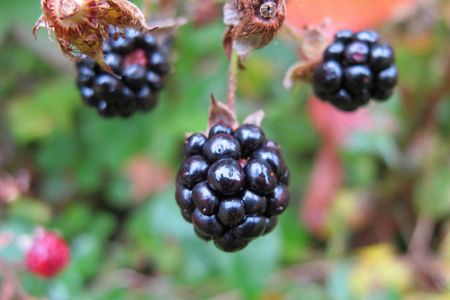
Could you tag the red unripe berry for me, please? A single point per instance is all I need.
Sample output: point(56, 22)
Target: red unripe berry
point(48, 255)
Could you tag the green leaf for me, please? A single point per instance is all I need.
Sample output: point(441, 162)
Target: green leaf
point(432, 194)
point(31, 210)
point(36, 116)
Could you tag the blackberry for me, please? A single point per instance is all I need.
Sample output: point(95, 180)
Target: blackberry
point(140, 64)
point(356, 67)
point(232, 185)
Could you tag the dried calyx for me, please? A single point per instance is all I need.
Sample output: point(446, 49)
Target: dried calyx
point(82, 26)
point(252, 24)
point(268, 9)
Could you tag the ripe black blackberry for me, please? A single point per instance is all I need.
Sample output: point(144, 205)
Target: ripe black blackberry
point(356, 67)
point(141, 65)
point(232, 185)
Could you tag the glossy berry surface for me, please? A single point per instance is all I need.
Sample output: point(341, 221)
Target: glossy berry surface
point(356, 67)
point(48, 255)
point(140, 65)
point(232, 185)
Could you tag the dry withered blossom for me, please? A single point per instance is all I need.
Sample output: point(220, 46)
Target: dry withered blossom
point(252, 24)
point(81, 26)
point(314, 40)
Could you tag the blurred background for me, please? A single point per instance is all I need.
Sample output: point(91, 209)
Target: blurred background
point(370, 209)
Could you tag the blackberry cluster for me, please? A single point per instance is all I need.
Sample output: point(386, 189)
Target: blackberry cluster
point(356, 67)
point(232, 185)
point(141, 65)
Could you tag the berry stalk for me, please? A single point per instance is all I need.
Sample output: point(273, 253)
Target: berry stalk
point(232, 81)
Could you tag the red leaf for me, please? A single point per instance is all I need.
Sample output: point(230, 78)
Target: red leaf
point(325, 182)
point(334, 125)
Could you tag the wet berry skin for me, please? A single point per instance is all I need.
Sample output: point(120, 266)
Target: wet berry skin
point(250, 137)
point(208, 225)
point(357, 78)
point(335, 51)
point(183, 196)
point(201, 235)
point(204, 199)
point(252, 227)
point(229, 243)
point(232, 185)
point(278, 201)
point(226, 176)
point(271, 223)
point(344, 101)
point(356, 53)
point(272, 157)
point(193, 170)
point(254, 203)
point(140, 72)
point(356, 68)
point(194, 144)
point(344, 35)
point(220, 128)
point(221, 146)
point(260, 176)
point(368, 36)
point(381, 57)
point(328, 77)
point(387, 77)
point(231, 212)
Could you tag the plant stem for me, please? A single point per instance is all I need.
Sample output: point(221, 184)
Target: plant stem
point(421, 238)
point(232, 81)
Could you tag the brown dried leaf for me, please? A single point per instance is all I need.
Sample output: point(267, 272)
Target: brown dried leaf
point(314, 43)
point(220, 113)
point(255, 118)
point(300, 71)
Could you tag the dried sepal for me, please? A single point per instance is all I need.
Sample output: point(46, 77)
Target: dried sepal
point(314, 42)
point(220, 113)
point(255, 118)
point(252, 24)
point(300, 71)
point(82, 26)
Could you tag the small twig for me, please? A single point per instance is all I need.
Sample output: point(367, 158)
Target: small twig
point(419, 255)
point(426, 117)
point(421, 238)
point(232, 81)
point(426, 272)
